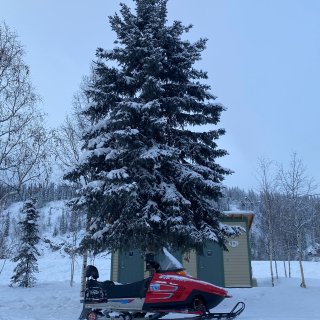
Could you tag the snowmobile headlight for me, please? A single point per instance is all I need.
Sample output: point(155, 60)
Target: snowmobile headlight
point(181, 273)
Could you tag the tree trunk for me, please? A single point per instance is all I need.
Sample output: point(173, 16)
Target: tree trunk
point(85, 260)
point(271, 268)
point(303, 283)
point(73, 257)
point(270, 246)
point(27, 277)
point(72, 272)
point(289, 260)
point(83, 274)
point(285, 268)
point(276, 268)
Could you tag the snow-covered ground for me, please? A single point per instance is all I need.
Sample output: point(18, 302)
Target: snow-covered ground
point(286, 300)
point(54, 299)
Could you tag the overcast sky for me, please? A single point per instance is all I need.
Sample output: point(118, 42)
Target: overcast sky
point(263, 60)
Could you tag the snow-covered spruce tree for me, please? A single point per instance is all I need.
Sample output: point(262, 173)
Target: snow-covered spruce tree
point(27, 254)
point(151, 181)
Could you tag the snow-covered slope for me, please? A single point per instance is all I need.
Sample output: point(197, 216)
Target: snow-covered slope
point(49, 216)
point(54, 299)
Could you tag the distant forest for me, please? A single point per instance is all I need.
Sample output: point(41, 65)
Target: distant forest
point(43, 193)
point(277, 229)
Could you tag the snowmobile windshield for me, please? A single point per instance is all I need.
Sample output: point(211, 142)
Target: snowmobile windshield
point(169, 262)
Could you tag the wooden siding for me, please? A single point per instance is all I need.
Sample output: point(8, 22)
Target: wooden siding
point(237, 267)
point(115, 266)
point(190, 263)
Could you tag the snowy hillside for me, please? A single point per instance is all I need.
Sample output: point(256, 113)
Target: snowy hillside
point(54, 299)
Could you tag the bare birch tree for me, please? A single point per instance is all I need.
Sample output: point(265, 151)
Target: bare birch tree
point(23, 137)
point(297, 187)
point(268, 186)
point(24, 140)
point(68, 143)
point(68, 137)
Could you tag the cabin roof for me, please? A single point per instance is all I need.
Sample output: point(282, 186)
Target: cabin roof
point(249, 215)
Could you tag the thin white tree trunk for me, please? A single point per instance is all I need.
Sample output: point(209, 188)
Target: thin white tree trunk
point(73, 257)
point(303, 282)
point(85, 261)
point(271, 259)
point(72, 272)
point(270, 243)
point(83, 274)
point(285, 268)
point(276, 268)
point(289, 260)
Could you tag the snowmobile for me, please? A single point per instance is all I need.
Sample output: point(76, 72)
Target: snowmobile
point(169, 290)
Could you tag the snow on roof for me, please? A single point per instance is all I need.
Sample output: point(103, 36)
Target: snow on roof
point(249, 215)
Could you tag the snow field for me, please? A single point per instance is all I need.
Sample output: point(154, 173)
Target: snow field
point(54, 299)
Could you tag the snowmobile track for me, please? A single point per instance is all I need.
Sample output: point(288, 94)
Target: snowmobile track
point(235, 312)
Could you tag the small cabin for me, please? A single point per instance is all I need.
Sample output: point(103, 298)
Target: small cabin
point(230, 268)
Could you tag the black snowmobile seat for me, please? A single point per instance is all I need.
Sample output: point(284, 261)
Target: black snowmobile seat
point(109, 290)
point(131, 290)
point(96, 290)
point(104, 285)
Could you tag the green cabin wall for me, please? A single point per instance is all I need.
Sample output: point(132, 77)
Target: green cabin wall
point(237, 260)
point(221, 268)
point(210, 264)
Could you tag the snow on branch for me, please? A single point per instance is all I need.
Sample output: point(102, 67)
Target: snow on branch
point(172, 195)
point(117, 174)
point(155, 152)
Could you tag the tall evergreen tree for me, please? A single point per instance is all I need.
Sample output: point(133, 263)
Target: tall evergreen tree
point(27, 255)
point(151, 180)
